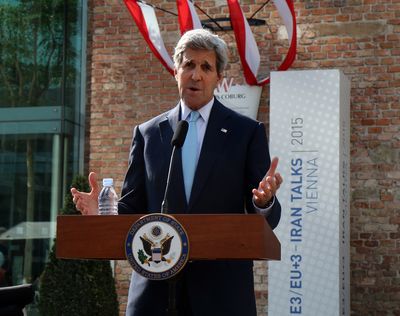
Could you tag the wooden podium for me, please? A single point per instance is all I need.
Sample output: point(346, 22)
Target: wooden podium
point(211, 237)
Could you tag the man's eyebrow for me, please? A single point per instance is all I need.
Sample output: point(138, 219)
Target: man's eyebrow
point(203, 62)
point(206, 63)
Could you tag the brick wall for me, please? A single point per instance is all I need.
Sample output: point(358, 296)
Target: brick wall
point(127, 85)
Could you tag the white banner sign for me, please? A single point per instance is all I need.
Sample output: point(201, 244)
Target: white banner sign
point(309, 132)
point(244, 99)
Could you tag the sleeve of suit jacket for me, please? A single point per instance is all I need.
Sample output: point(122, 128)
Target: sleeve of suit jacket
point(133, 194)
point(258, 163)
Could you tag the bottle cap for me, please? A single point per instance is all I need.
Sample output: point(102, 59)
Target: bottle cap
point(108, 182)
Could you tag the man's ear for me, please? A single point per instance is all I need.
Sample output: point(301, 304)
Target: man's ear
point(220, 77)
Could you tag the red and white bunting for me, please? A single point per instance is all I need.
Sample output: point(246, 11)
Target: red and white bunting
point(248, 50)
point(188, 18)
point(146, 20)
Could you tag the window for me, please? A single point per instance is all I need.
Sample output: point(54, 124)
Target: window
point(42, 63)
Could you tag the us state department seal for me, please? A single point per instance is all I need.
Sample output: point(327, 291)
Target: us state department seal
point(157, 246)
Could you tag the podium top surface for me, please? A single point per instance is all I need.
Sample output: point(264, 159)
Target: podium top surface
point(211, 237)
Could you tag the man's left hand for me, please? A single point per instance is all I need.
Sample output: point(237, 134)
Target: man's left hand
point(268, 186)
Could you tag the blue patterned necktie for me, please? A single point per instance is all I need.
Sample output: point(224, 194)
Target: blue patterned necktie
point(189, 154)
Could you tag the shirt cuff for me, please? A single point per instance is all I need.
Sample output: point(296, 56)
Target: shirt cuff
point(264, 211)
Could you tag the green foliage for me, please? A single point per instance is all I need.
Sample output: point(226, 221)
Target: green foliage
point(36, 50)
point(77, 287)
point(142, 256)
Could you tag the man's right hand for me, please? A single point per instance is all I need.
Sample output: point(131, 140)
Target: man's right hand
point(87, 203)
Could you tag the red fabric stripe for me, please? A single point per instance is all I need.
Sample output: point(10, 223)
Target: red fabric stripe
point(291, 55)
point(184, 15)
point(138, 17)
point(240, 35)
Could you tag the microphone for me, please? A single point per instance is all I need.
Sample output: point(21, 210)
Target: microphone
point(180, 134)
point(177, 142)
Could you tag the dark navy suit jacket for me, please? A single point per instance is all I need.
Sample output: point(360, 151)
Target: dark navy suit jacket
point(234, 158)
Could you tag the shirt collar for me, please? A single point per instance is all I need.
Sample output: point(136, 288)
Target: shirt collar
point(204, 111)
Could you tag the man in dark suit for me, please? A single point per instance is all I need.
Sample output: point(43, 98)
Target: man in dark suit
point(233, 174)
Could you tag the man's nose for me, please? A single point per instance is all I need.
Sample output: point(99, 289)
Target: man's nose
point(196, 74)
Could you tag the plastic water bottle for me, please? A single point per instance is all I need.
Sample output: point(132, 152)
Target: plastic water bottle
point(108, 199)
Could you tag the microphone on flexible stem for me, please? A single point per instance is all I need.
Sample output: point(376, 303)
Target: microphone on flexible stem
point(177, 142)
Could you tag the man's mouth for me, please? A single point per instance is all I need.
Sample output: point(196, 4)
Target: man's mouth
point(194, 89)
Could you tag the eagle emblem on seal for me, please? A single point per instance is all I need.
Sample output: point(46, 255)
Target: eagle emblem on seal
point(155, 250)
point(157, 246)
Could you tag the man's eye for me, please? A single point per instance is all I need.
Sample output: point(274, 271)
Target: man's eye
point(189, 65)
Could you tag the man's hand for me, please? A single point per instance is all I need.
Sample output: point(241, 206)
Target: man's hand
point(268, 186)
point(87, 203)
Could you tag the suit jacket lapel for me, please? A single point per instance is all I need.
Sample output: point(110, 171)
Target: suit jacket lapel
point(176, 196)
point(168, 126)
point(213, 144)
